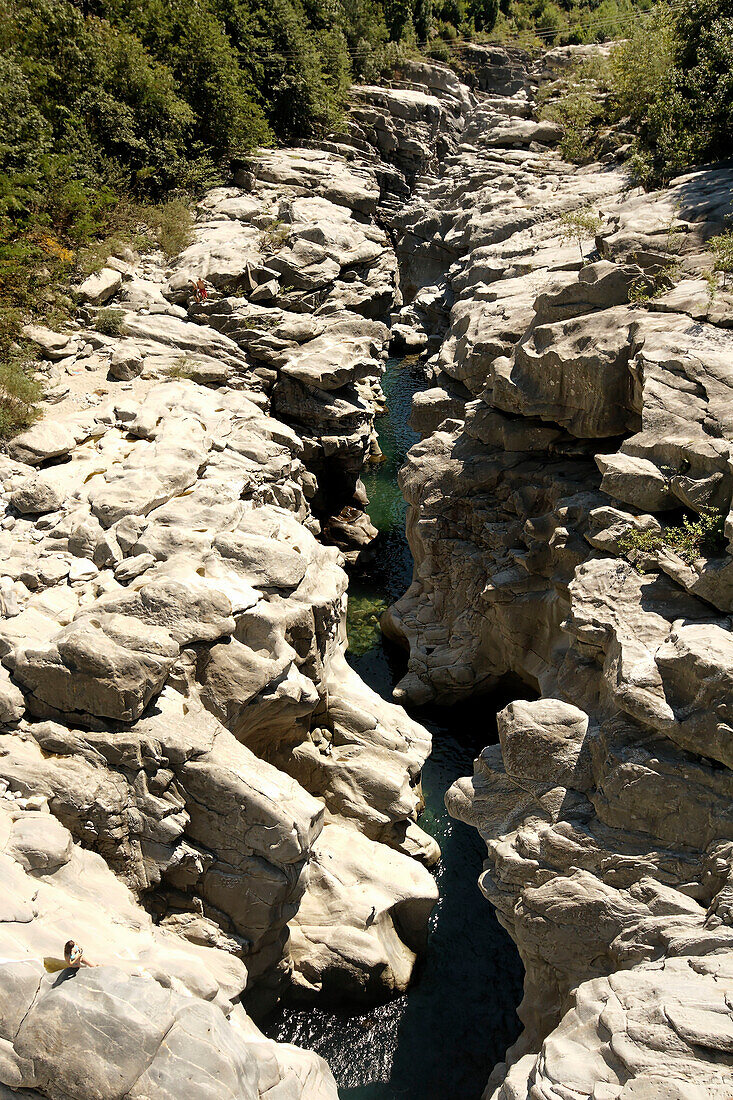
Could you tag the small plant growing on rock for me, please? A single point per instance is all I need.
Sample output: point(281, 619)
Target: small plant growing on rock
point(689, 540)
point(274, 236)
point(580, 225)
point(19, 395)
point(722, 249)
point(181, 369)
point(712, 282)
point(109, 321)
point(675, 238)
point(261, 320)
point(645, 288)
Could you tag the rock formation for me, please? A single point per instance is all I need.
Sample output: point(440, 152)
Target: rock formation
point(174, 694)
point(196, 786)
point(574, 475)
point(155, 1013)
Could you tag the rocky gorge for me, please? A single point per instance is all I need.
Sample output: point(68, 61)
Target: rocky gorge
point(199, 788)
point(579, 412)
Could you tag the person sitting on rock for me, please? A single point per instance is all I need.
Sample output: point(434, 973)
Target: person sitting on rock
point(72, 960)
point(74, 955)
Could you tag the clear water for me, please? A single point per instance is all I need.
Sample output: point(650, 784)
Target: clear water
point(387, 576)
point(441, 1040)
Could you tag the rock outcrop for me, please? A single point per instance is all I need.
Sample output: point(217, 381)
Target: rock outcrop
point(155, 1014)
point(199, 789)
point(569, 516)
point(174, 694)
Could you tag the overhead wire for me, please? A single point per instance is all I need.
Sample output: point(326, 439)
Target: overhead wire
point(456, 45)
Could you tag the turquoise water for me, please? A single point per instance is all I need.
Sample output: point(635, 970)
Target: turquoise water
point(389, 572)
point(441, 1040)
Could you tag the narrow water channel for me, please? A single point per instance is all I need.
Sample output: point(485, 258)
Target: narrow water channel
point(441, 1040)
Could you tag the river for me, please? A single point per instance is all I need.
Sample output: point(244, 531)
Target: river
point(441, 1040)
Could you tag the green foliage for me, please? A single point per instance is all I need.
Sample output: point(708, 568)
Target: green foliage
point(181, 370)
point(645, 288)
point(577, 101)
point(438, 50)
point(639, 67)
point(578, 112)
point(274, 236)
point(721, 247)
point(422, 18)
point(542, 23)
point(712, 285)
point(398, 16)
point(19, 395)
point(703, 535)
point(109, 321)
point(692, 119)
point(483, 13)
point(172, 224)
point(670, 83)
point(580, 225)
point(114, 114)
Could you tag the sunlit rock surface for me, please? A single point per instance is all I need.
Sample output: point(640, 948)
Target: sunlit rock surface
point(179, 727)
point(572, 421)
point(154, 1015)
point(174, 694)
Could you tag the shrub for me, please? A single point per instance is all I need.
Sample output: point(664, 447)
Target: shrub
point(579, 225)
point(550, 21)
point(674, 80)
point(109, 321)
point(20, 393)
point(645, 288)
point(722, 249)
point(578, 112)
point(398, 16)
point(484, 13)
point(172, 223)
point(438, 50)
point(639, 67)
point(274, 236)
point(669, 84)
point(693, 538)
point(181, 370)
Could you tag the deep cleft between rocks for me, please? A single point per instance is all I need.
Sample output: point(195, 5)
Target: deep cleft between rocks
point(198, 789)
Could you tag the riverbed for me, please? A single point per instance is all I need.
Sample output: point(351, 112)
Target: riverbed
point(441, 1040)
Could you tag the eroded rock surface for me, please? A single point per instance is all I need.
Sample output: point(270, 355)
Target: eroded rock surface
point(174, 699)
point(155, 1014)
point(573, 423)
point(174, 694)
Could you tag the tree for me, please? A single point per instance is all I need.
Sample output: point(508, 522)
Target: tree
point(398, 16)
point(674, 79)
point(422, 18)
point(579, 225)
point(484, 13)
